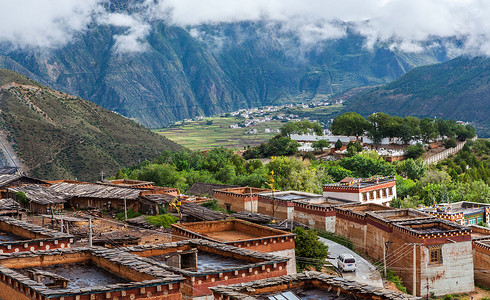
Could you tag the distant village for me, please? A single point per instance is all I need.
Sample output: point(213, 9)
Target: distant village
point(63, 240)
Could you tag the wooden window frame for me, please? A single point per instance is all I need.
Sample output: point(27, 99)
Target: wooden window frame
point(435, 255)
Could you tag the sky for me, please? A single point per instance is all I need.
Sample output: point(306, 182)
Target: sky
point(405, 24)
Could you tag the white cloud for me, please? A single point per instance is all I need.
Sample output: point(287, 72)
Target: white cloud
point(133, 39)
point(44, 23)
point(404, 24)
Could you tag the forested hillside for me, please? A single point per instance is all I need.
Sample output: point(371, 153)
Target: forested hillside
point(458, 89)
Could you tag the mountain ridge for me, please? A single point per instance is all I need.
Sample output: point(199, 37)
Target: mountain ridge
point(62, 136)
point(181, 75)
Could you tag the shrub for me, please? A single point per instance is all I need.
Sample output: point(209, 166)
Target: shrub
point(131, 214)
point(391, 276)
point(162, 220)
point(21, 197)
point(213, 205)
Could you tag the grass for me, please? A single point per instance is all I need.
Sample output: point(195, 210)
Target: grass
point(162, 220)
point(197, 135)
point(131, 214)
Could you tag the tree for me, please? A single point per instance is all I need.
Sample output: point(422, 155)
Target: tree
point(310, 251)
point(350, 123)
point(338, 144)
point(414, 151)
point(427, 129)
point(412, 169)
point(379, 127)
point(301, 127)
point(464, 132)
point(320, 144)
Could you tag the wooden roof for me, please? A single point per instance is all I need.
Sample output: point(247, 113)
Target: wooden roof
point(201, 188)
point(95, 191)
point(158, 198)
point(40, 194)
point(8, 204)
point(201, 212)
point(6, 179)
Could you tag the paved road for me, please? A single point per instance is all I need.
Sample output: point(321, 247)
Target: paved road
point(365, 272)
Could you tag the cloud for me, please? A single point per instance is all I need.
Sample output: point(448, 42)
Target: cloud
point(408, 25)
point(44, 23)
point(133, 39)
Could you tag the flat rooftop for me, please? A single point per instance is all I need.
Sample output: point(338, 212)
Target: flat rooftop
point(81, 271)
point(363, 208)
point(211, 257)
point(432, 226)
point(243, 190)
point(467, 208)
point(401, 215)
point(80, 275)
point(293, 196)
point(229, 230)
point(360, 183)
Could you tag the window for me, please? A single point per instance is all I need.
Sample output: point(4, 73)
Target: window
point(372, 195)
point(228, 206)
point(364, 196)
point(378, 194)
point(390, 191)
point(472, 221)
point(435, 255)
point(480, 219)
point(384, 193)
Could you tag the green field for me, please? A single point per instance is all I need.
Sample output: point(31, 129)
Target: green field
point(198, 135)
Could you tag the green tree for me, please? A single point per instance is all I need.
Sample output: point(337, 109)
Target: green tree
point(412, 169)
point(350, 123)
point(414, 151)
point(320, 144)
point(427, 129)
point(379, 127)
point(310, 251)
point(338, 144)
point(301, 127)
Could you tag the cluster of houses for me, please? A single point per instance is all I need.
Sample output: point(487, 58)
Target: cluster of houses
point(210, 255)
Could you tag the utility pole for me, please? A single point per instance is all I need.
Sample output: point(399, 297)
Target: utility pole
point(125, 210)
point(90, 231)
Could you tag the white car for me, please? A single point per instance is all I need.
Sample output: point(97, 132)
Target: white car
point(346, 262)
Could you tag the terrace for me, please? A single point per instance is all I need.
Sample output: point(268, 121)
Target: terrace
point(289, 196)
point(227, 231)
point(83, 271)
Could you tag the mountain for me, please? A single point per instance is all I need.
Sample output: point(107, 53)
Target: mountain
point(458, 89)
point(207, 70)
point(57, 135)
